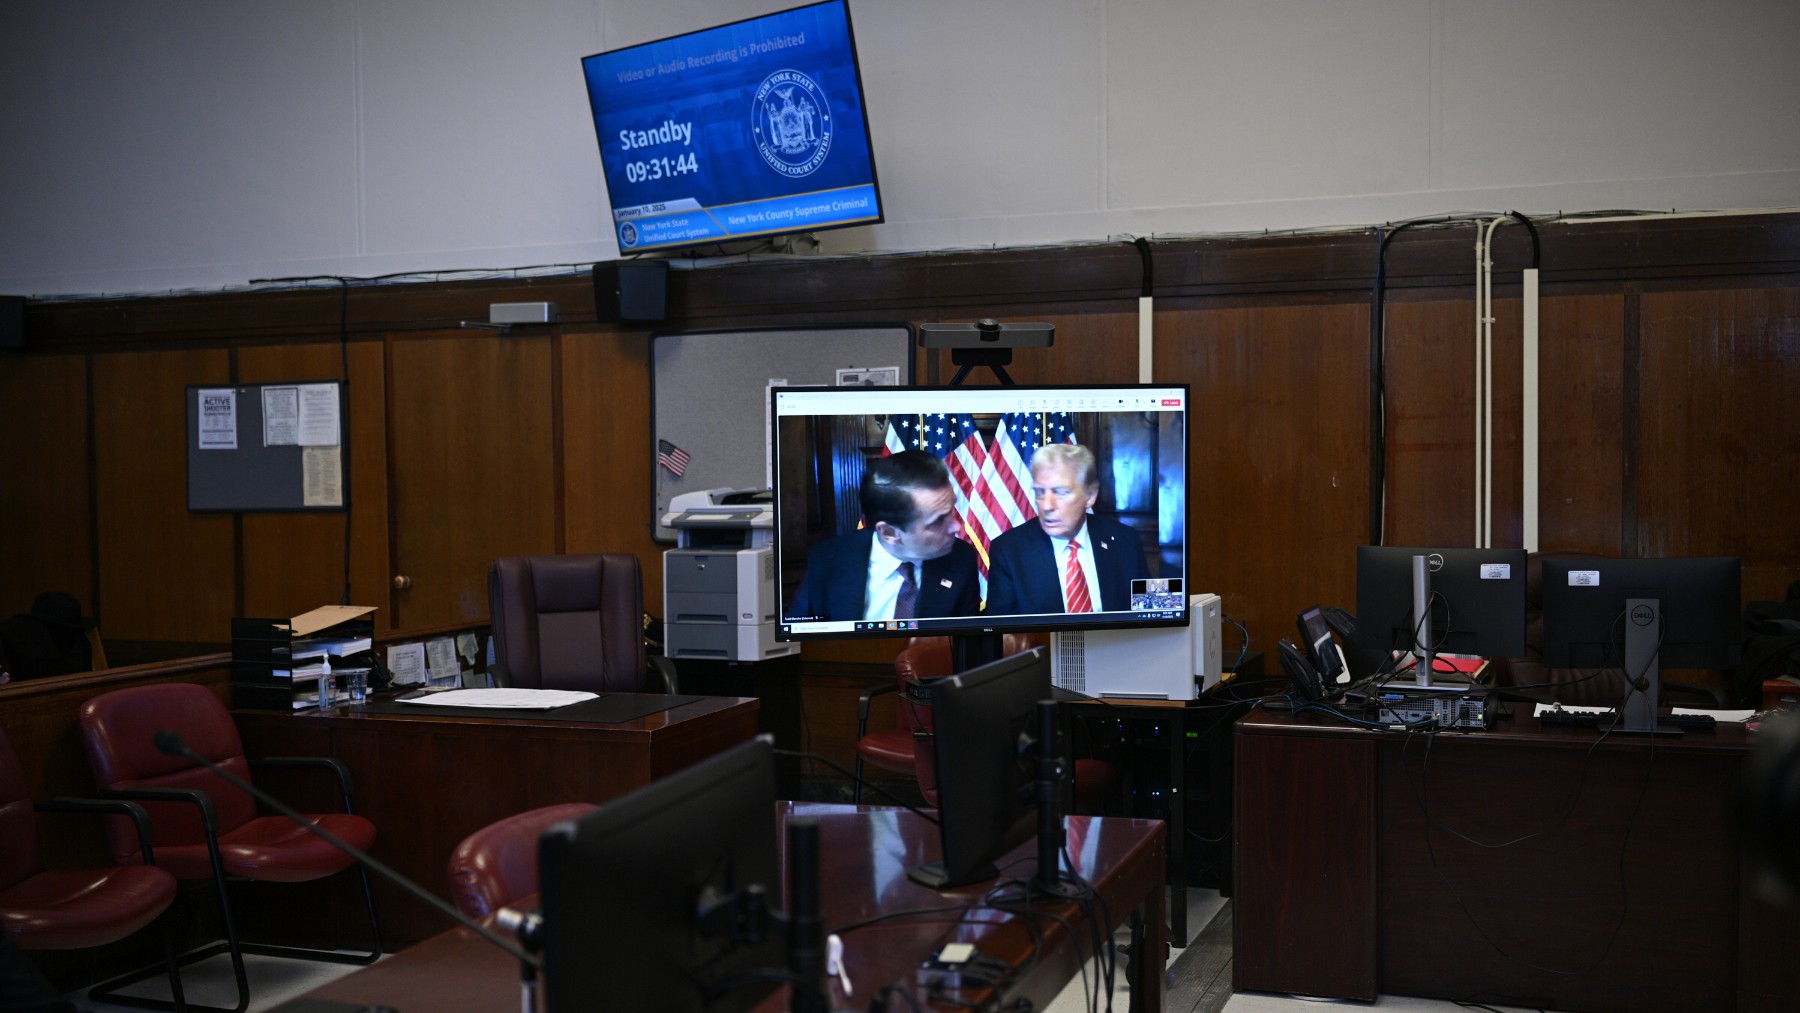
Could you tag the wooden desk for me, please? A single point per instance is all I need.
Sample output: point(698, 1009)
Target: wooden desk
point(1621, 889)
point(428, 780)
point(866, 854)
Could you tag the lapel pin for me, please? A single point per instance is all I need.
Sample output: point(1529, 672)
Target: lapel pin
point(945, 582)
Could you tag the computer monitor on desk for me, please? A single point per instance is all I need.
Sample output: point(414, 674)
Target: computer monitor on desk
point(666, 898)
point(990, 748)
point(1431, 601)
point(1639, 615)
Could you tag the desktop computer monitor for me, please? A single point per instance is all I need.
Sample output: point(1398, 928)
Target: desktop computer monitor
point(1586, 621)
point(1476, 599)
point(646, 900)
point(860, 477)
point(987, 743)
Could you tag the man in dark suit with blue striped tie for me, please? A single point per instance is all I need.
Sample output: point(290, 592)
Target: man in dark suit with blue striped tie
point(906, 563)
point(1064, 559)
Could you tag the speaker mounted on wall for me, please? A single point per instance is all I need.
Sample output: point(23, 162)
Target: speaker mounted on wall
point(12, 322)
point(631, 290)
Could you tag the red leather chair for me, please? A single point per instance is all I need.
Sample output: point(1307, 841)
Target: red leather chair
point(498, 864)
point(1096, 781)
point(74, 909)
point(891, 749)
point(205, 827)
point(573, 622)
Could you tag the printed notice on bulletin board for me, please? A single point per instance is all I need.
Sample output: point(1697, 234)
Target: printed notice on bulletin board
point(276, 446)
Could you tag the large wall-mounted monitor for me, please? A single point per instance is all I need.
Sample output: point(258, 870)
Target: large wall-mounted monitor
point(755, 128)
point(912, 511)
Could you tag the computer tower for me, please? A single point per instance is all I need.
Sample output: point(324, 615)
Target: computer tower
point(1172, 663)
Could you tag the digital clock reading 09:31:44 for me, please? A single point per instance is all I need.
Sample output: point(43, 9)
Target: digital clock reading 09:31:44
point(661, 168)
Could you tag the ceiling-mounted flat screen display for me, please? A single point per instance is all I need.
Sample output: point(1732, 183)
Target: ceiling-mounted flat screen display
point(749, 129)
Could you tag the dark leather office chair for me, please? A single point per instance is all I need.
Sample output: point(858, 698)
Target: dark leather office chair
point(54, 638)
point(205, 827)
point(573, 622)
point(498, 864)
point(74, 909)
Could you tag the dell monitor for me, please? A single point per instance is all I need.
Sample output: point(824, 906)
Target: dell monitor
point(1429, 601)
point(662, 899)
point(988, 739)
point(754, 128)
point(1640, 615)
point(912, 511)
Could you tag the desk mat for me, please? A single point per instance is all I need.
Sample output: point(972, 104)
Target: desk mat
point(609, 709)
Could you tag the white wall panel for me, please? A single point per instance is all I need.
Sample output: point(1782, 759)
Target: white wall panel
point(203, 143)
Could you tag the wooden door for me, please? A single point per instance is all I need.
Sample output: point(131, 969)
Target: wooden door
point(473, 466)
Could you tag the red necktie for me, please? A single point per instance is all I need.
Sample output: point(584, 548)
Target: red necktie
point(1076, 582)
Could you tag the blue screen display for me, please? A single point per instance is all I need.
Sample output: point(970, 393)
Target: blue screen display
point(748, 129)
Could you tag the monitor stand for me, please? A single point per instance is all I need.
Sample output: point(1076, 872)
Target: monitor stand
point(972, 650)
point(1050, 772)
point(1643, 669)
point(1423, 678)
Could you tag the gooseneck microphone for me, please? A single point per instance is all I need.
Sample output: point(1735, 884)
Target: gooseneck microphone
point(170, 743)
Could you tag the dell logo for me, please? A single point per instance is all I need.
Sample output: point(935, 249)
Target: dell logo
point(1643, 615)
point(1435, 561)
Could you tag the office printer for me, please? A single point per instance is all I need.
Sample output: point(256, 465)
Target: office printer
point(719, 595)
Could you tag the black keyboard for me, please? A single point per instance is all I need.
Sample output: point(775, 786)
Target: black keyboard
point(1604, 719)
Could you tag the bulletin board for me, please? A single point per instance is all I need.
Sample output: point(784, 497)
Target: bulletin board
point(271, 446)
point(709, 396)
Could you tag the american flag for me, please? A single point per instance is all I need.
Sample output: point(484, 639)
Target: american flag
point(951, 437)
point(1005, 483)
point(993, 487)
point(672, 457)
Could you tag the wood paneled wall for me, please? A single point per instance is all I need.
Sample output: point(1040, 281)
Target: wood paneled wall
point(1671, 348)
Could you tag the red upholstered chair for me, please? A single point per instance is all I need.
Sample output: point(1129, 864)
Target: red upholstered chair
point(891, 749)
point(73, 909)
point(498, 864)
point(926, 658)
point(205, 827)
point(573, 622)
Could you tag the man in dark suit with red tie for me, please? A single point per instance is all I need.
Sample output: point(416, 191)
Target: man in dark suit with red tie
point(1065, 559)
point(907, 563)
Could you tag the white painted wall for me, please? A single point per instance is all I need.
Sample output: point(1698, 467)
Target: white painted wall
point(151, 146)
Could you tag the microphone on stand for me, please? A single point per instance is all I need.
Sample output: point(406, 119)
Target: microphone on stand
point(172, 744)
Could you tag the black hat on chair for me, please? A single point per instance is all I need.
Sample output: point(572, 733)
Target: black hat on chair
point(59, 608)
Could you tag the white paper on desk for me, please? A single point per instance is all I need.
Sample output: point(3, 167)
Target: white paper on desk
point(406, 663)
point(510, 699)
point(1717, 715)
point(440, 657)
point(318, 421)
point(218, 418)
